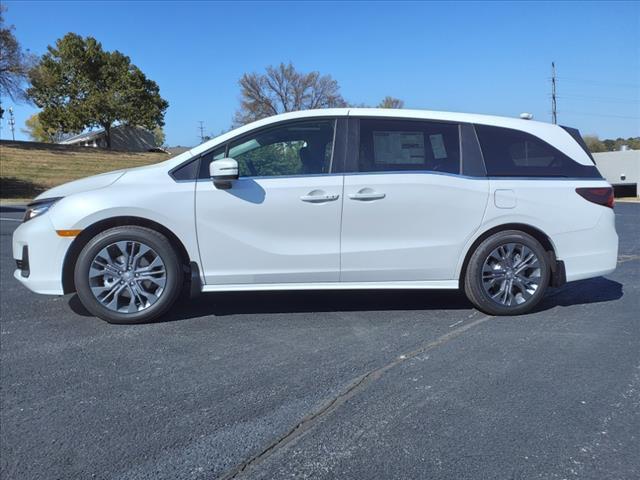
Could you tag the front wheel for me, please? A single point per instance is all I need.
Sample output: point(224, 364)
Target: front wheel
point(128, 274)
point(507, 274)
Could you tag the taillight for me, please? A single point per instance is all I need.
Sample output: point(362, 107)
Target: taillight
point(600, 195)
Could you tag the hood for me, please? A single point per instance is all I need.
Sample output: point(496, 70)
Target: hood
point(82, 185)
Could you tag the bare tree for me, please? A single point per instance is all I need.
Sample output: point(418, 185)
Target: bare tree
point(391, 102)
point(283, 89)
point(14, 63)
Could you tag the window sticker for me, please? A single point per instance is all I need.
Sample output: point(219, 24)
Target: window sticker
point(437, 146)
point(400, 148)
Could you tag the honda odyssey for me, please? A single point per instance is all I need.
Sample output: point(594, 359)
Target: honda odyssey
point(348, 199)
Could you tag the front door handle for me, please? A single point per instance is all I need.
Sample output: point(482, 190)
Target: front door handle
point(367, 194)
point(319, 196)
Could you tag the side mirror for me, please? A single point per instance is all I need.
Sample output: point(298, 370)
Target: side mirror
point(223, 171)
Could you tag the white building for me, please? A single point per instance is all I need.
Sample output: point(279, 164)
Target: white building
point(123, 137)
point(621, 169)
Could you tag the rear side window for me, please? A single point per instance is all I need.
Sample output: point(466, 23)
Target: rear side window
point(513, 153)
point(393, 145)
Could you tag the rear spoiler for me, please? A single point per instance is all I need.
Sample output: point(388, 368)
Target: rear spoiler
point(578, 138)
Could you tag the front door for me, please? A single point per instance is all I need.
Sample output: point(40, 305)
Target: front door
point(280, 221)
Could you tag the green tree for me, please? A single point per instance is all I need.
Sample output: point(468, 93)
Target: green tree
point(610, 145)
point(632, 142)
point(39, 133)
point(14, 63)
point(284, 89)
point(79, 85)
point(391, 102)
point(159, 136)
point(594, 144)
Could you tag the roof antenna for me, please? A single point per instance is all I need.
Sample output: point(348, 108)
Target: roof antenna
point(526, 116)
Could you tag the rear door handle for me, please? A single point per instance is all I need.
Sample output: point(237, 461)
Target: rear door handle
point(318, 196)
point(367, 196)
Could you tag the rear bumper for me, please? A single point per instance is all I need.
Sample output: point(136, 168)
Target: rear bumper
point(589, 253)
point(45, 252)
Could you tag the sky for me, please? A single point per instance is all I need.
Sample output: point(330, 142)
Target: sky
point(479, 57)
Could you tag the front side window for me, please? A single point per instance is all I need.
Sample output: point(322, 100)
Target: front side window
point(299, 148)
point(393, 145)
point(515, 153)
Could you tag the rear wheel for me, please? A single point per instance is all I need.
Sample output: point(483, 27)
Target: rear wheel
point(507, 274)
point(128, 274)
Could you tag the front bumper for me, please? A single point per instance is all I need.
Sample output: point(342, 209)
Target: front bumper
point(46, 253)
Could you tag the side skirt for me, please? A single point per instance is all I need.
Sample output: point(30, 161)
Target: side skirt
point(418, 285)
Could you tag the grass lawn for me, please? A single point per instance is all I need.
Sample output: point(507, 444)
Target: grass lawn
point(26, 170)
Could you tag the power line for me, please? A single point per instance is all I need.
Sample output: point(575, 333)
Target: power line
point(599, 82)
point(201, 128)
point(12, 124)
point(600, 115)
point(600, 99)
point(554, 113)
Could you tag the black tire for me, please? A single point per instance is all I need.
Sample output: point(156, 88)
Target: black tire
point(473, 281)
point(160, 245)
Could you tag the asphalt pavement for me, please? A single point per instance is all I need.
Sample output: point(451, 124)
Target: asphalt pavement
point(348, 385)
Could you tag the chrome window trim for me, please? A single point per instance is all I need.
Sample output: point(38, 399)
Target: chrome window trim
point(309, 175)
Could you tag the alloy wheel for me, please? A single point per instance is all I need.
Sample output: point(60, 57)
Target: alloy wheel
point(511, 274)
point(127, 276)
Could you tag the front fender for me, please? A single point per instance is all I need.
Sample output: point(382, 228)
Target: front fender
point(171, 206)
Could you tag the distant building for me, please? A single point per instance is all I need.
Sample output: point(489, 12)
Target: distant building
point(621, 169)
point(123, 137)
point(173, 151)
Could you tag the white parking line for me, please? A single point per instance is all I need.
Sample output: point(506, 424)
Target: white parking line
point(11, 219)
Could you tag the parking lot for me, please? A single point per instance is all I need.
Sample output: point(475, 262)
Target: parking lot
point(349, 385)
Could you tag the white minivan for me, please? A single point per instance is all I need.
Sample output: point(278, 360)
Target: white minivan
point(331, 199)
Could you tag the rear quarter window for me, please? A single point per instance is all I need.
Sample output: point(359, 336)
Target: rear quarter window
point(513, 153)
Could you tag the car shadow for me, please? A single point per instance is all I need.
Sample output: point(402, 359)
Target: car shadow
point(12, 208)
point(595, 290)
point(249, 190)
point(582, 292)
point(309, 301)
point(18, 188)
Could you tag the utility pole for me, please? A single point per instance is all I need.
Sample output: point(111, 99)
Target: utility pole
point(12, 124)
point(201, 128)
point(554, 112)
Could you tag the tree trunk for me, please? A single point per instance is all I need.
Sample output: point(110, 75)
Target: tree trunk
point(107, 135)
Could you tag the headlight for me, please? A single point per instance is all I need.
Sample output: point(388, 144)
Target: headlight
point(39, 207)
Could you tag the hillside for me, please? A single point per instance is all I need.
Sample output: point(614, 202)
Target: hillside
point(28, 168)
